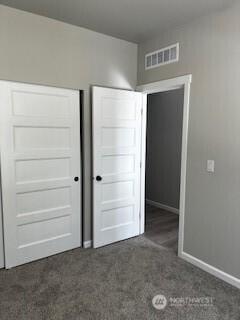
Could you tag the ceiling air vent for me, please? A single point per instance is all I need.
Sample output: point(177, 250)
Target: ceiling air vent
point(163, 56)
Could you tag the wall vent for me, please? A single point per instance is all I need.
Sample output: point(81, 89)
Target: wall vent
point(161, 57)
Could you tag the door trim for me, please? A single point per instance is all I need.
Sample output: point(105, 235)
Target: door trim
point(155, 87)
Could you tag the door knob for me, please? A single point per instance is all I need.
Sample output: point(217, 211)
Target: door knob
point(76, 179)
point(98, 178)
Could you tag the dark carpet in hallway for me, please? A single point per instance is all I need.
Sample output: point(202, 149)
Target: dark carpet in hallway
point(111, 283)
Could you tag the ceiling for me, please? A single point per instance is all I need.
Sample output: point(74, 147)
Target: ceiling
point(133, 20)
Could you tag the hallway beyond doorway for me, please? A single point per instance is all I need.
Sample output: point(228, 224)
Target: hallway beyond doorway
point(162, 227)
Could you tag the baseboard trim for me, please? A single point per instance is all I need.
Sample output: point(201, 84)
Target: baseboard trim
point(210, 269)
point(87, 244)
point(162, 206)
point(198, 263)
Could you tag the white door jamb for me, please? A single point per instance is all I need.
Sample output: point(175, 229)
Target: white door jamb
point(155, 87)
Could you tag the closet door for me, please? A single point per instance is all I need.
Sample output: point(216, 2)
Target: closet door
point(40, 168)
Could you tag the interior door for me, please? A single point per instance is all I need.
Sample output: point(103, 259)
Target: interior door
point(116, 164)
point(40, 157)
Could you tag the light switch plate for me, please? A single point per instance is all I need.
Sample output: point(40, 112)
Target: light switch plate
point(211, 166)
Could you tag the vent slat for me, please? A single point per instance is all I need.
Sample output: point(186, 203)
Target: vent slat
point(161, 57)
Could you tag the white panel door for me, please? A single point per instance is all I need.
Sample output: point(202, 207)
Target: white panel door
point(40, 157)
point(116, 164)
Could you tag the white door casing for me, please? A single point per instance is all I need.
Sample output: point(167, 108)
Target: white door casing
point(40, 156)
point(162, 86)
point(116, 159)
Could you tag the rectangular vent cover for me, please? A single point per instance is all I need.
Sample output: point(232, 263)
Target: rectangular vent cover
point(163, 56)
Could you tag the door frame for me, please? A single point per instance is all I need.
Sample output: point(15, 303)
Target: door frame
point(162, 86)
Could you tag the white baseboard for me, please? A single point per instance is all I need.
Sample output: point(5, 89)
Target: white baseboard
point(162, 206)
point(87, 244)
point(210, 269)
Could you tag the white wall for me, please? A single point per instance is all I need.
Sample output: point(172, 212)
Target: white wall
point(39, 50)
point(210, 51)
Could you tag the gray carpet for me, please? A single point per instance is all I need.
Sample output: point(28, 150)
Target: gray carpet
point(111, 283)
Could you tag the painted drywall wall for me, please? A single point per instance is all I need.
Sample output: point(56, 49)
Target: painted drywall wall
point(39, 50)
point(210, 51)
point(164, 142)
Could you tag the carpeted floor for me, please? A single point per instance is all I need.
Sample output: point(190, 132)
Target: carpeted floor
point(161, 226)
point(111, 283)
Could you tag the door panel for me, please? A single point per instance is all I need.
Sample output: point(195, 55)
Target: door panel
point(116, 158)
point(26, 138)
point(40, 156)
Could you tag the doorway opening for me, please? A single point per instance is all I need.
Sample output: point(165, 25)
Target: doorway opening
point(163, 167)
point(174, 198)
